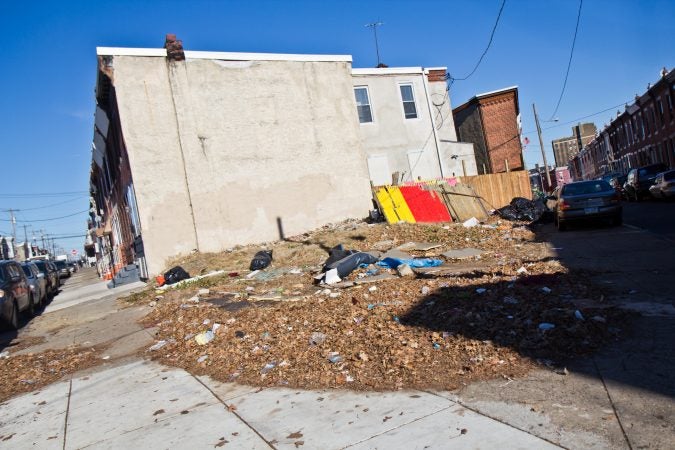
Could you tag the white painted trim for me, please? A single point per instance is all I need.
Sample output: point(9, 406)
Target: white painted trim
point(370, 104)
point(117, 51)
point(226, 56)
point(233, 56)
point(496, 92)
point(400, 96)
point(389, 71)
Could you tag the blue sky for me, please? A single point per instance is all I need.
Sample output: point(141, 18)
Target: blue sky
point(49, 67)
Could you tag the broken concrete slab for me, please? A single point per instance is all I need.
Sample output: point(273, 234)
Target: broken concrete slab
point(449, 270)
point(404, 270)
point(383, 246)
point(396, 254)
point(419, 246)
point(376, 278)
point(463, 253)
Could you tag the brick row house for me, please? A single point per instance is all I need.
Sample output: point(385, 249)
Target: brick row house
point(644, 133)
point(491, 122)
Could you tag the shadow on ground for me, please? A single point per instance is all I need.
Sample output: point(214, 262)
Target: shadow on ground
point(592, 333)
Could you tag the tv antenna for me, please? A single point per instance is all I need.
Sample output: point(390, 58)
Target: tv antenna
point(374, 26)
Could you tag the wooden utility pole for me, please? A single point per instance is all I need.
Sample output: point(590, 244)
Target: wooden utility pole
point(541, 145)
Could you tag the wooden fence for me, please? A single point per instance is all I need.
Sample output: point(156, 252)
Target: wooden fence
point(498, 189)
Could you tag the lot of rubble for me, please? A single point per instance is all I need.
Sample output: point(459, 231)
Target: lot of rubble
point(503, 307)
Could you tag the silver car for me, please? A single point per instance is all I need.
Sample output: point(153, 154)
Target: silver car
point(586, 200)
point(664, 185)
point(37, 283)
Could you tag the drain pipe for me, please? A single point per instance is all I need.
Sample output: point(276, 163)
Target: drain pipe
point(433, 122)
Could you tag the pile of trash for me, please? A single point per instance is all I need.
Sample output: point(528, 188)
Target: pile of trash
point(522, 209)
point(396, 306)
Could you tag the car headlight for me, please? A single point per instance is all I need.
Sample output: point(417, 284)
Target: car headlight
point(32, 288)
point(2, 293)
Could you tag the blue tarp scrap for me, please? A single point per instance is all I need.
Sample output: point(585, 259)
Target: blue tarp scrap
point(393, 263)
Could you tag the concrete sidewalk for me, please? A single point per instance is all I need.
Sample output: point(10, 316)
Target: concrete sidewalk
point(142, 404)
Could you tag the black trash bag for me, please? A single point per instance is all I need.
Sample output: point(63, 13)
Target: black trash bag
point(336, 254)
point(508, 212)
point(175, 274)
point(523, 209)
point(261, 260)
point(349, 263)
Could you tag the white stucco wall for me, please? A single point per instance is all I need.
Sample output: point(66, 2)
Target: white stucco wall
point(393, 136)
point(261, 140)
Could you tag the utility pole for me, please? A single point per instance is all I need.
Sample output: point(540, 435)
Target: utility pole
point(13, 220)
point(374, 26)
point(541, 145)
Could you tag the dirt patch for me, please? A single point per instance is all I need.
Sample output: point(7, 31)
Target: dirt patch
point(425, 332)
point(26, 373)
point(22, 343)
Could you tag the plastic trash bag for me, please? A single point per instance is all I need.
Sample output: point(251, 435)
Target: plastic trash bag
point(261, 260)
point(336, 254)
point(393, 263)
point(346, 265)
point(523, 209)
point(175, 274)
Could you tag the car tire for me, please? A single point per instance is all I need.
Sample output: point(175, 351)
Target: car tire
point(561, 225)
point(13, 322)
point(30, 311)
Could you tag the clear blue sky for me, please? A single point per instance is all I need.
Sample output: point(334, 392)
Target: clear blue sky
point(49, 66)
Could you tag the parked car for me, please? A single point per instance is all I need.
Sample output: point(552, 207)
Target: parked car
point(15, 294)
point(640, 179)
point(51, 275)
point(62, 267)
point(585, 200)
point(37, 283)
point(664, 185)
point(73, 267)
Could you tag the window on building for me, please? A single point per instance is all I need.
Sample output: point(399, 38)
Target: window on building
point(363, 104)
point(653, 118)
point(670, 105)
point(658, 102)
point(408, 98)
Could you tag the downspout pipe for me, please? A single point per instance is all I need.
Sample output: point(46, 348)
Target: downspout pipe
point(425, 73)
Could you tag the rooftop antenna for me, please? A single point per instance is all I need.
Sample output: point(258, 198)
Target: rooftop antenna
point(374, 26)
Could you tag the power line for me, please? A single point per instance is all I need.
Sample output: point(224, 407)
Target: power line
point(47, 220)
point(480, 60)
point(44, 194)
point(569, 63)
point(585, 117)
point(45, 206)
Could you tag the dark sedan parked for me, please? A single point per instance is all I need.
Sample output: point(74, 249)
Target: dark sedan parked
point(640, 180)
point(15, 294)
point(62, 267)
point(585, 200)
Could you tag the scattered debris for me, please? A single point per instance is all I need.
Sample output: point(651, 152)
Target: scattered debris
point(205, 337)
point(462, 253)
point(472, 222)
point(158, 345)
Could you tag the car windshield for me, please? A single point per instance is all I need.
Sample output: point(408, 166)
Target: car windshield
point(61, 264)
point(27, 271)
point(42, 266)
point(669, 176)
point(586, 187)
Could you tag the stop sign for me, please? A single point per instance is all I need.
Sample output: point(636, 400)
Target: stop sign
point(73, 252)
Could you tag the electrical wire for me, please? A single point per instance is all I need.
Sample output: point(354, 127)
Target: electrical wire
point(569, 63)
point(42, 207)
point(46, 220)
point(44, 194)
point(480, 60)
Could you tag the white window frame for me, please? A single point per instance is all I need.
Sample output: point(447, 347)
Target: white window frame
point(412, 91)
point(370, 105)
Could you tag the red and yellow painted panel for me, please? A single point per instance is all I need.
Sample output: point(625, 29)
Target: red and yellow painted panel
point(411, 204)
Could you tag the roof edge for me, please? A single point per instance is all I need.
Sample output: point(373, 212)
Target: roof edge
point(225, 56)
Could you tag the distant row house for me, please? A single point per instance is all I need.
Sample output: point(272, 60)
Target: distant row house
point(207, 150)
point(644, 133)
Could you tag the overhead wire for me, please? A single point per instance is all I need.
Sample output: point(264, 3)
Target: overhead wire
point(44, 194)
point(46, 220)
point(42, 207)
point(480, 60)
point(569, 63)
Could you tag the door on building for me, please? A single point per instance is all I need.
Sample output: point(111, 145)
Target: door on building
point(378, 169)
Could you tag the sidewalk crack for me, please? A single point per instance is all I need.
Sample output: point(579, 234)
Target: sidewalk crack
point(611, 402)
point(65, 425)
point(233, 411)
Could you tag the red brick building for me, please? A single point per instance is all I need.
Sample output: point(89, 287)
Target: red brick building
point(644, 133)
point(491, 121)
